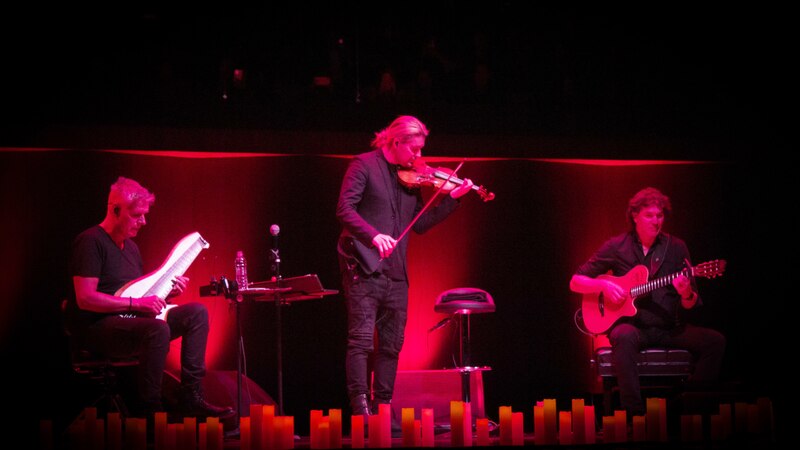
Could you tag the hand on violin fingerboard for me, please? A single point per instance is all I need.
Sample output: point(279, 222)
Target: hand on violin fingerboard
point(462, 189)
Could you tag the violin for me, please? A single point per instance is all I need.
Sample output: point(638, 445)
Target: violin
point(420, 174)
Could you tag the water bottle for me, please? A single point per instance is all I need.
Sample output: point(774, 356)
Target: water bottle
point(241, 270)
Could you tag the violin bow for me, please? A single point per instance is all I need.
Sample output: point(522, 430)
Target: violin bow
point(435, 194)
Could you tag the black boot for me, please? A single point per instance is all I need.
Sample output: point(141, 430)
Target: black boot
point(194, 404)
point(360, 406)
point(397, 429)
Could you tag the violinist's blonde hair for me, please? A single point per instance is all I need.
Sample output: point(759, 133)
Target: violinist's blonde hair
point(401, 129)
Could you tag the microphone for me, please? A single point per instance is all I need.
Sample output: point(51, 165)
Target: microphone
point(274, 230)
point(275, 256)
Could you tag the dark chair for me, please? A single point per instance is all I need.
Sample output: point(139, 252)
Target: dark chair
point(659, 369)
point(103, 372)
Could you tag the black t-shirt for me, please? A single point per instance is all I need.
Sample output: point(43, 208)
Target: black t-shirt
point(95, 255)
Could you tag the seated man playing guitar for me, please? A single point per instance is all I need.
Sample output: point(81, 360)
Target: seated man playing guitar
point(104, 258)
point(646, 315)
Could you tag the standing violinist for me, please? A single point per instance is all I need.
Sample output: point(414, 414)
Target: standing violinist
point(375, 209)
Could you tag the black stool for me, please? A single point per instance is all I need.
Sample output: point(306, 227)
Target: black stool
point(463, 302)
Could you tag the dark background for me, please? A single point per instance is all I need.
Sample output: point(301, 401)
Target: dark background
point(666, 83)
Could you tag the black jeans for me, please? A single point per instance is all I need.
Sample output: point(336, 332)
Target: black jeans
point(707, 347)
point(374, 302)
point(148, 339)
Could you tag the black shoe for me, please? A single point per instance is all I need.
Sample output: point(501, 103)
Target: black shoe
point(360, 406)
point(194, 404)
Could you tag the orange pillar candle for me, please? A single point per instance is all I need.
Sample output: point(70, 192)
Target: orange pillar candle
point(313, 435)
point(505, 425)
point(427, 427)
point(686, 427)
point(697, 427)
point(517, 429)
point(456, 423)
point(256, 412)
point(113, 431)
point(726, 419)
point(638, 429)
point(374, 431)
point(538, 423)
point(160, 431)
point(578, 427)
point(608, 430)
point(190, 432)
point(202, 432)
point(715, 427)
point(356, 431)
point(288, 432)
point(172, 435)
point(550, 421)
point(267, 434)
point(621, 426)
point(565, 428)
point(653, 421)
point(324, 433)
point(212, 432)
point(385, 413)
point(590, 431)
point(407, 424)
point(335, 420)
point(417, 433)
point(662, 420)
point(467, 424)
point(245, 441)
point(482, 430)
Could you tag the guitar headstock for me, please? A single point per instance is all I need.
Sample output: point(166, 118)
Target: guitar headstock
point(710, 269)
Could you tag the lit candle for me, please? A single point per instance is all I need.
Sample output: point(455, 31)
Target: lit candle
point(374, 431)
point(171, 440)
point(314, 434)
point(550, 421)
point(456, 423)
point(564, 428)
point(335, 420)
point(46, 434)
point(590, 432)
point(325, 433)
point(578, 427)
point(653, 420)
point(256, 413)
point(467, 424)
point(697, 427)
point(726, 417)
point(267, 436)
point(621, 426)
point(160, 431)
point(202, 431)
point(505, 425)
point(407, 424)
point(357, 431)
point(417, 433)
point(427, 427)
point(482, 429)
point(608, 429)
point(288, 431)
point(517, 429)
point(538, 423)
point(716, 427)
point(114, 431)
point(638, 429)
point(686, 427)
point(765, 415)
point(190, 432)
point(662, 419)
point(212, 432)
point(385, 413)
point(245, 442)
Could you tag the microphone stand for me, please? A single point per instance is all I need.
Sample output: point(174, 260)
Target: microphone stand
point(276, 264)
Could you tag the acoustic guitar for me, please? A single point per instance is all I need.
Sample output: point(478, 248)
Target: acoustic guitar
point(599, 315)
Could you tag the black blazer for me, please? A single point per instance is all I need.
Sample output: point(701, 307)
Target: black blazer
point(372, 201)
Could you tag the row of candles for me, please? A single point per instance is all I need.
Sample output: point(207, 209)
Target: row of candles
point(263, 430)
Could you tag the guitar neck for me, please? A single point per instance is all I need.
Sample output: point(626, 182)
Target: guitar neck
point(163, 285)
point(652, 285)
